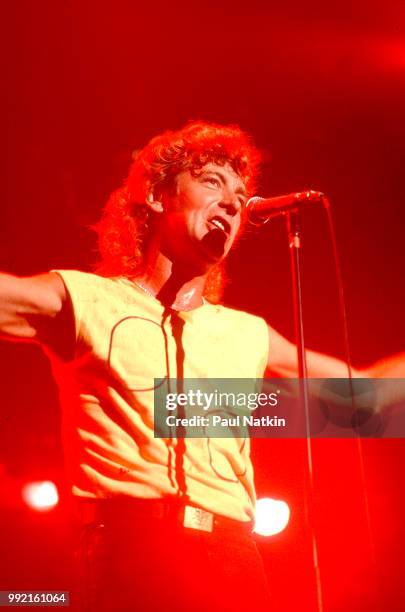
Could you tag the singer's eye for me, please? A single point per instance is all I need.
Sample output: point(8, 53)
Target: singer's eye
point(212, 180)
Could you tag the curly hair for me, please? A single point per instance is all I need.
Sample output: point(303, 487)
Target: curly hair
point(126, 225)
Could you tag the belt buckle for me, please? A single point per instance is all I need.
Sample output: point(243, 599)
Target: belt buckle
point(197, 518)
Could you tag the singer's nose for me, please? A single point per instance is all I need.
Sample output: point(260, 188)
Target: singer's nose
point(231, 203)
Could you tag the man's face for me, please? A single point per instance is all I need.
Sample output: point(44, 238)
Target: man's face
point(203, 215)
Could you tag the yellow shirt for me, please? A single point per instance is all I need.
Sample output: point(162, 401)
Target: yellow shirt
point(123, 342)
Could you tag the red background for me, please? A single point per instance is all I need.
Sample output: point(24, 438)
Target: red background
point(321, 88)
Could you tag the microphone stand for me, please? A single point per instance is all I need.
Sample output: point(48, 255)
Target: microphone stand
point(294, 241)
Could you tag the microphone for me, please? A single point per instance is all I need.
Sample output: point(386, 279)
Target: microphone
point(260, 210)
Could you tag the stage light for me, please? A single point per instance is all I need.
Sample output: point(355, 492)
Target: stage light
point(272, 516)
point(40, 496)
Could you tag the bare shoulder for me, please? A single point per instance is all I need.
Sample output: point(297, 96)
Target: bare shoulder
point(49, 284)
point(27, 303)
point(43, 295)
point(282, 359)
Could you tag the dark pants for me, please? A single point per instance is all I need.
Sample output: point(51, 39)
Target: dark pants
point(129, 560)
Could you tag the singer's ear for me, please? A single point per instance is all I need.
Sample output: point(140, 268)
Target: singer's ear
point(154, 202)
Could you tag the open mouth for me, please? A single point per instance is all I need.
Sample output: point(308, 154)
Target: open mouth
point(221, 224)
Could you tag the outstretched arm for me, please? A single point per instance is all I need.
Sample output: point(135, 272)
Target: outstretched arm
point(29, 306)
point(282, 362)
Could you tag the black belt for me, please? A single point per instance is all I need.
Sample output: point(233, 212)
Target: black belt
point(175, 511)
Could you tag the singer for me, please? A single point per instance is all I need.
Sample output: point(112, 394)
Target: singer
point(162, 521)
